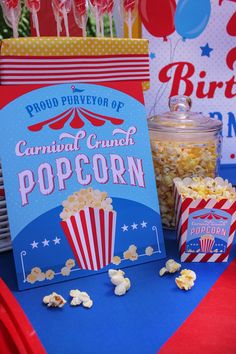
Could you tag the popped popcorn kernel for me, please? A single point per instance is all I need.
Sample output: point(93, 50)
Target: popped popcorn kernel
point(65, 271)
point(186, 280)
point(49, 275)
point(149, 251)
point(122, 284)
point(36, 271)
point(54, 300)
point(171, 266)
point(70, 263)
point(116, 260)
point(131, 253)
point(31, 278)
point(80, 297)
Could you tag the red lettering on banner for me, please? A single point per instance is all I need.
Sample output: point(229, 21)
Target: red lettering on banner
point(181, 74)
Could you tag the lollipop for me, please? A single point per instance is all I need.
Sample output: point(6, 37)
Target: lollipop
point(34, 6)
point(80, 14)
point(11, 12)
point(61, 8)
point(129, 10)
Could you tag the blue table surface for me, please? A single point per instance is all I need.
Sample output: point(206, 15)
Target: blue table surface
point(136, 323)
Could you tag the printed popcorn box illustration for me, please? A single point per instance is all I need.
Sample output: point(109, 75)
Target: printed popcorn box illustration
point(79, 181)
point(89, 224)
point(206, 218)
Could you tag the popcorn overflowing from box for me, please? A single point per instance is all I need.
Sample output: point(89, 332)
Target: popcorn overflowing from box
point(89, 223)
point(206, 218)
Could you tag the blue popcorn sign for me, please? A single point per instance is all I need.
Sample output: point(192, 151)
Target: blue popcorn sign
point(79, 180)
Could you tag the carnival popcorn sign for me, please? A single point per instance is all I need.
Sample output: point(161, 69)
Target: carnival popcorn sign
point(193, 53)
point(79, 182)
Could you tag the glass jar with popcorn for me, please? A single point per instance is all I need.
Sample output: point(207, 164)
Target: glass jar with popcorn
point(184, 144)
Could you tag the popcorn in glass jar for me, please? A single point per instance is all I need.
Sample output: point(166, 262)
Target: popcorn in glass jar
point(184, 144)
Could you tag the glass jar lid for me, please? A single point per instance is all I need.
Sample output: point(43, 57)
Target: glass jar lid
point(181, 119)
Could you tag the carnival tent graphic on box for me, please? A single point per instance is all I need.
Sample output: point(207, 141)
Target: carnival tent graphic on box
point(193, 52)
point(79, 180)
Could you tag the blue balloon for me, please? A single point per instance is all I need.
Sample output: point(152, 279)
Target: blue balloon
point(191, 17)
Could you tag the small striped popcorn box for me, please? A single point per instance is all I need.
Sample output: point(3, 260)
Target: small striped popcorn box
point(91, 235)
point(205, 228)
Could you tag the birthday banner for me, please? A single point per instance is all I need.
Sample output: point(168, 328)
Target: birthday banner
point(193, 52)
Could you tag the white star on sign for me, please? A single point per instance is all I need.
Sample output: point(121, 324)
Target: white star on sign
point(143, 224)
point(34, 244)
point(124, 228)
point(45, 242)
point(134, 226)
point(56, 241)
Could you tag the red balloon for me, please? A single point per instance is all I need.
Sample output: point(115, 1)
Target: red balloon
point(231, 26)
point(158, 16)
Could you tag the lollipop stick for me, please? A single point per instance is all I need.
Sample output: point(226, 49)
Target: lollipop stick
point(58, 27)
point(65, 18)
point(130, 23)
point(14, 24)
point(84, 26)
point(97, 24)
point(35, 22)
point(102, 26)
point(111, 25)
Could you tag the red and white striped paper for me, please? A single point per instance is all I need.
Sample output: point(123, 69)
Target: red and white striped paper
point(91, 235)
point(20, 70)
point(182, 210)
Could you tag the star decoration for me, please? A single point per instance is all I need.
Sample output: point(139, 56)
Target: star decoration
point(34, 244)
point(206, 50)
point(134, 226)
point(56, 240)
point(152, 55)
point(124, 228)
point(45, 242)
point(143, 224)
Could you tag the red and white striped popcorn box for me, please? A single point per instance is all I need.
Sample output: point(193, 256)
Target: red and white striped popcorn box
point(91, 235)
point(205, 228)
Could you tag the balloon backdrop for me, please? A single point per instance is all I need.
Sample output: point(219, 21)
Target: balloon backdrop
point(191, 17)
point(158, 16)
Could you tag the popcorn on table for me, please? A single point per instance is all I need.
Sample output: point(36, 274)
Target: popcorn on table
point(180, 159)
point(80, 297)
point(171, 266)
point(205, 188)
point(85, 198)
point(122, 284)
point(54, 300)
point(186, 280)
